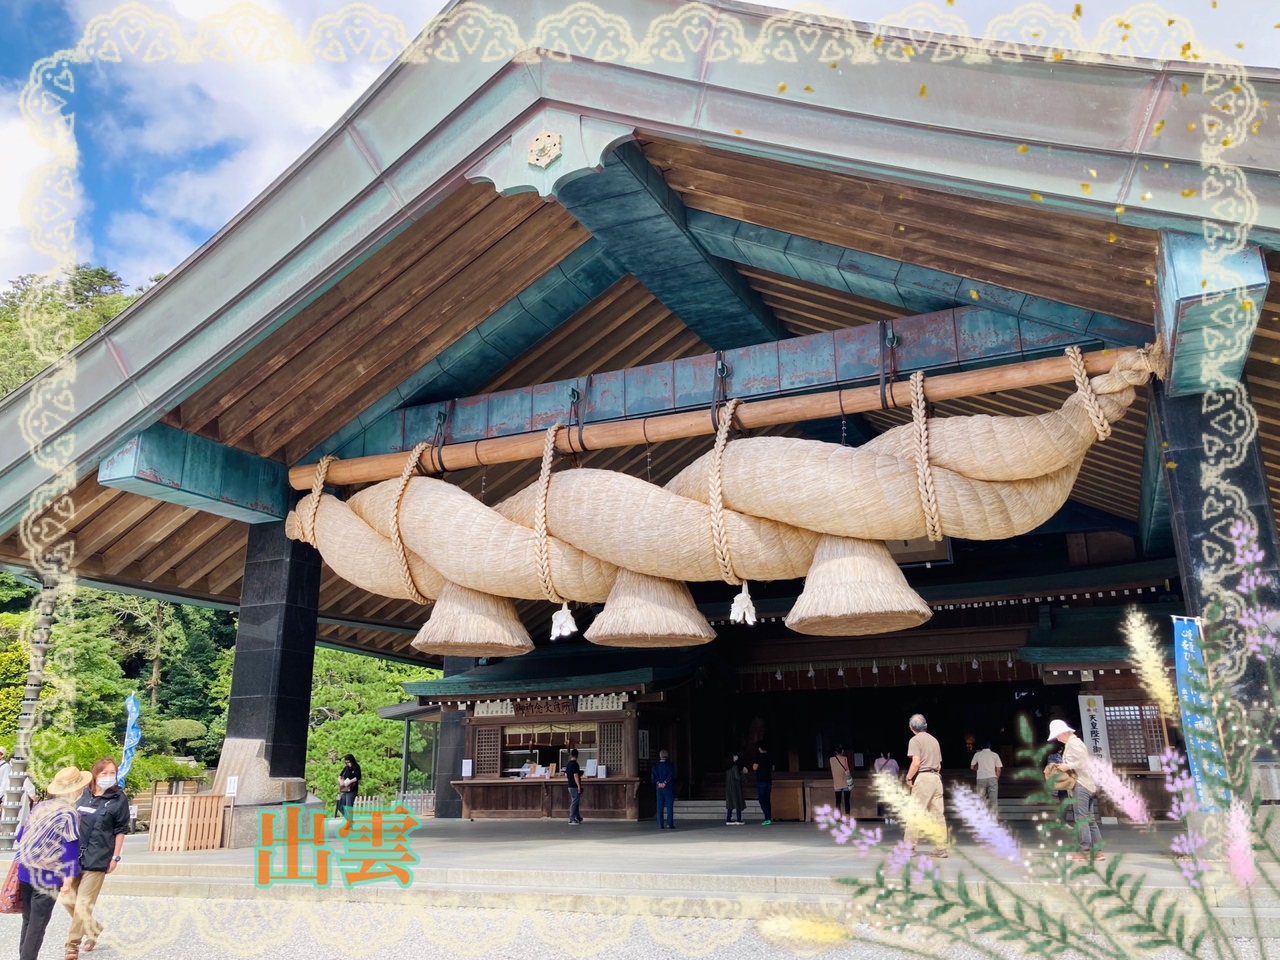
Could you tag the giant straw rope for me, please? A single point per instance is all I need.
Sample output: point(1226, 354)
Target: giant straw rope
point(762, 508)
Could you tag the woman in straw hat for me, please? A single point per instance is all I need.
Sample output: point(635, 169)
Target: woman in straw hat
point(48, 855)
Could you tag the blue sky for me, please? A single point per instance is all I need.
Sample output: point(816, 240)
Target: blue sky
point(169, 153)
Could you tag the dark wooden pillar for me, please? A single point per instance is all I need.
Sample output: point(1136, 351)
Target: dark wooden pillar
point(451, 747)
point(275, 648)
point(1213, 467)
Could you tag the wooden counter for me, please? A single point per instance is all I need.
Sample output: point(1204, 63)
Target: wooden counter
point(614, 798)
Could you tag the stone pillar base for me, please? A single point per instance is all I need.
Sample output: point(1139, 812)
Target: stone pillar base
point(244, 828)
point(246, 760)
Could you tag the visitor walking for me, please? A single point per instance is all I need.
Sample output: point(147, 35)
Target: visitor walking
point(47, 849)
point(1074, 757)
point(841, 779)
point(663, 776)
point(763, 769)
point(986, 763)
point(348, 786)
point(104, 820)
point(924, 777)
point(733, 802)
point(573, 773)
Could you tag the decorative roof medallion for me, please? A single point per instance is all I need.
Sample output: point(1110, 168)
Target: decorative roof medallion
point(544, 149)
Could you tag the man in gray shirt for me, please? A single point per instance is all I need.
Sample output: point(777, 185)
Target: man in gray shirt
point(924, 777)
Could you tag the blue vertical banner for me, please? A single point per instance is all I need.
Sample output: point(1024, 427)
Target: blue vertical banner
point(132, 734)
point(1200, 731)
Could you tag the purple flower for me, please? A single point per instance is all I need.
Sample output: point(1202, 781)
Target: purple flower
point(845, 829)
point(978, 817)
point(1177, 780)
point(896, 860)
point(924, 870)
point(1238, 829)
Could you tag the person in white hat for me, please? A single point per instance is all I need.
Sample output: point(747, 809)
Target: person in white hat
point(1074, 758)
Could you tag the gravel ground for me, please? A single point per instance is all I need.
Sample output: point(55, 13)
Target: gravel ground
point(182, 929)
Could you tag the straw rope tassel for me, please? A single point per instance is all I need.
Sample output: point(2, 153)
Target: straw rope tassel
point(397, 540)
point(743, 610)
point(307, 532)
point(924, 471)
point(1085, 387)
point(562, 622)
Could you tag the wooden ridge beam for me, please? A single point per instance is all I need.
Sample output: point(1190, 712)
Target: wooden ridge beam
point(696, 423)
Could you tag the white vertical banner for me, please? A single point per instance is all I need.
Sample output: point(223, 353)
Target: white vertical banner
point(1093, 726)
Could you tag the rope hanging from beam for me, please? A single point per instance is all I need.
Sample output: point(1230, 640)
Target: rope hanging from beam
point(777, 508)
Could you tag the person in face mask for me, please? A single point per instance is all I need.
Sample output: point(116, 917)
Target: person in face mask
point(104, 820)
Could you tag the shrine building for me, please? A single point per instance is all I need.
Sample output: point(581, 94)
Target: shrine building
point(716, 243)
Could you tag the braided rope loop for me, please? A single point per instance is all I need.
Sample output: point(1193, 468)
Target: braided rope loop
point(308, 519)
point(540, 515)
point(411, 467)
point(1101, 425)
point(719, 534)
point(924, 471)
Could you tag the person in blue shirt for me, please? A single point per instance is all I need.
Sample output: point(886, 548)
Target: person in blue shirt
point(47, 850)
point(663, 776)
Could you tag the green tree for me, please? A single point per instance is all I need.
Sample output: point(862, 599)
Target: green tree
point(346, 691)
point(85, 299)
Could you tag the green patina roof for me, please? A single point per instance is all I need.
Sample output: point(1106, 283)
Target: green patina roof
point(1092, 633)
point(565, 669)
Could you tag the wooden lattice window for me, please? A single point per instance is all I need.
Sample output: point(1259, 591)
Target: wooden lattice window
point(488, 751)
point(609, 746)
point(1134, 732)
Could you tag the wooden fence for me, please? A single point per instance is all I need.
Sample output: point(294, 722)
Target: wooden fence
point(186, 822)
point(419, 804)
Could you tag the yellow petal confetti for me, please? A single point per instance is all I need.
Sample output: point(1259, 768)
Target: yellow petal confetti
point(879, 40)
point(1171, 465)
point(1246, 304)
point(1188, 193)
point(782, 88)
point(1146, 196)
point(1158, 128)
point(1171, 22)
point(973, 294)
point(1148, 281)
point(1185, 89)
point(1037, 198)
point(1186, 48)
point(924, 91)
point(1226, 141)
point(834, 65)
point(1119, 209)
point(1084, 187)
point(1191, 125)
point(1240, 44)
point(808, 89)
point(1057, 56)
point(908, 50)
point(738, 132)
point(1076, 13)
point(1093, 173)
point(1166, 166)
point(1257, 126)
point(1022, 148)
point(1111, 237)
point(1204, 283)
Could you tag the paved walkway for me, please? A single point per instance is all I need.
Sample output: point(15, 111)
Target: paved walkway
point(534, 889)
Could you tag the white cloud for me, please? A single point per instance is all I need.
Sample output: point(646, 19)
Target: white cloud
point(21, 158)
point(250, 120)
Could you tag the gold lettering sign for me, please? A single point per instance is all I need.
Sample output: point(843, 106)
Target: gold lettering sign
point(544, 708)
